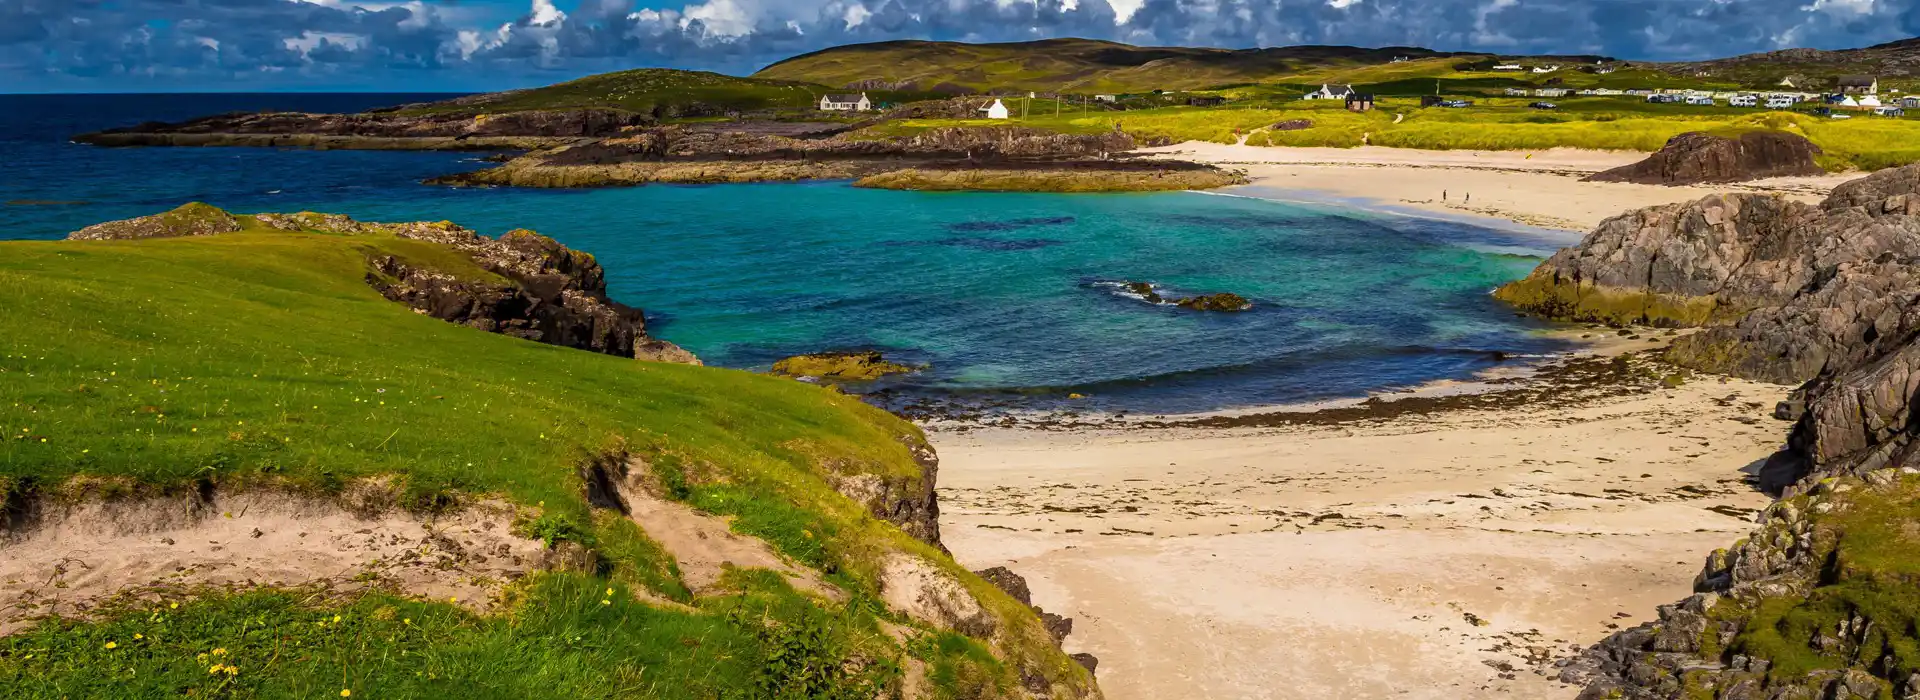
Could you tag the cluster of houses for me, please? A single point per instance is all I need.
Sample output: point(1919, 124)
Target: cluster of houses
point(1356, 101)
point(860, 103)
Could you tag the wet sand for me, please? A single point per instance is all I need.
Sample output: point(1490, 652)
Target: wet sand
point(1433, 555)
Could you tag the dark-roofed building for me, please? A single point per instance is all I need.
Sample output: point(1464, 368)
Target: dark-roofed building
point(1858, 85)
point(1359, 102)
point(846, 103)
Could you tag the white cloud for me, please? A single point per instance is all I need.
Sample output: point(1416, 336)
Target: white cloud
point(545, 14)
point(724, 18)
point(856, 15)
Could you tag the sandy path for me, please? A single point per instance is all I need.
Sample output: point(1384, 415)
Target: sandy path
point(1537, 188)
point(1347, 561)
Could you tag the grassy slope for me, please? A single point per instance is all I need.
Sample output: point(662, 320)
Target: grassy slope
point(263, 357)
point(1078, 65)
point(661, 91)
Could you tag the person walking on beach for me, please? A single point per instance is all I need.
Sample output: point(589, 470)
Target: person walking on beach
point(1443, 195)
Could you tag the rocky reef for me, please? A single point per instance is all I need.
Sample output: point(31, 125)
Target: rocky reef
point(523, 284)
point(1822, 601)
point(1696, 158)
point(1105, 176)
point(858, 366)
point(1151, 293)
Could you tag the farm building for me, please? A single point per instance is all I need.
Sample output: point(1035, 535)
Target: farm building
point(1857, 85)
point(997, 110)
point(1331, 92)
point(845, 103)
point(1359, 102)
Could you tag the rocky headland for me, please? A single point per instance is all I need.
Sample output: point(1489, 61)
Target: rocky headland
point(1821, 601)
point(523, 284)
point(382, 130)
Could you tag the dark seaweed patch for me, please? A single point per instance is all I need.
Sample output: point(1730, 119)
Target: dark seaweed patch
point(1009, 225)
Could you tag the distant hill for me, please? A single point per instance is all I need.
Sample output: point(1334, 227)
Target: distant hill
point(661, 92)
point(1811, 68)
point(1083, 65)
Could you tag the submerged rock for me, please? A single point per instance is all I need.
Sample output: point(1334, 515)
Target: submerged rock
point(1698, 158)
point(859, 366)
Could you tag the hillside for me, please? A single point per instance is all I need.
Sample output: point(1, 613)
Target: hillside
point(659, 92)
point(1895, 63)
point(1077, 65)
point(304, 488)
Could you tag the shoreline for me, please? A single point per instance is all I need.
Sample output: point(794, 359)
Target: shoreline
point(1425, 557)
point(1538, 189)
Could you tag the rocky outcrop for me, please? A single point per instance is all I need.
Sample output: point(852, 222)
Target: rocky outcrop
point(191, 219)
point(856, 366)
point(1096, 176)
point(1698, 158)
point(910, 502)
point(1786, 290)
point(1058, 626)
point(526, 285)
point(428, 130)
point(1818, 602)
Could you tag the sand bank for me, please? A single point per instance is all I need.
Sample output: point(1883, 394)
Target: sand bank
point(1444, 556)
point(1536, 188)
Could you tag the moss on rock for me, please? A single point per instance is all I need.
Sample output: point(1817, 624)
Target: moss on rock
point(862, 366)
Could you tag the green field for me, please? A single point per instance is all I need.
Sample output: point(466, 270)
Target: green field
point(263, 360)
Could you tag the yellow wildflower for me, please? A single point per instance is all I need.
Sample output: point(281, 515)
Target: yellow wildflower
point(111, 645)
point(346, 693)
point(222, 651)
point(606, 602)
point(336, 618)
point(139, 636)
point(609, 593)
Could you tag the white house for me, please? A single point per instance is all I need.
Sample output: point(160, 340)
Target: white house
point(1517, 92)
point(1550, 92)
point(1858, 84)
point(1744, 101)
point(845, 103)
point(1106, 98)
point(1331, 92)
point(1545, 69)
point(1509, 66)
point(997, 110)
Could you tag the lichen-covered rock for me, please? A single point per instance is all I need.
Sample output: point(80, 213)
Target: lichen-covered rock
point(858, 366)
point(1222, 301)
point(1698, 158)
point(192, 219)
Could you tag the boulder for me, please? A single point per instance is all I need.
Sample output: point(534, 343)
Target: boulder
point(1223, 301)
point(859, 366)
point(1699, 158)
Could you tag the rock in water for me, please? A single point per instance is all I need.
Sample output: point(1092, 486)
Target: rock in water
point(861, 366)
point(1223, 301)
point(1697, 158)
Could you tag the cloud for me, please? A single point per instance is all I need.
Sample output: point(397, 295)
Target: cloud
point(490, 44)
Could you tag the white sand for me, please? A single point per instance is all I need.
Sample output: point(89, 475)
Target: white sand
point(1208, 565)
point(1538, 188)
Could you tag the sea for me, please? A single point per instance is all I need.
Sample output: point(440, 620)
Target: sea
point(1012, 299)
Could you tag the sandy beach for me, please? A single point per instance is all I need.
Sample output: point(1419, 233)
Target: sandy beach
point(1445, 556)
point(1536, 188)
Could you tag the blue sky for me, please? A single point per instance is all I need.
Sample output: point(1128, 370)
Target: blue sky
point(468, 45)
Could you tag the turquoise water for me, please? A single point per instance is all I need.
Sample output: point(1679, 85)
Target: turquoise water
point(1001, 294)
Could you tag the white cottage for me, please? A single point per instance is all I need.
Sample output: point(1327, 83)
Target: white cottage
point(997, 110)
point(845, 103)
point(1331, 92)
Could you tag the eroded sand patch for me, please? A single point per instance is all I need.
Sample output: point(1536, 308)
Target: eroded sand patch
point(69, 558)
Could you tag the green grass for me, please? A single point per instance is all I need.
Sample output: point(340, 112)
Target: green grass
point(263, 359)
point(1870, 572)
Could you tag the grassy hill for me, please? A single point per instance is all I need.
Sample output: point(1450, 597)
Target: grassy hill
point(662, 92)
point(1897, 64)
point(263, 361)
point(1076, 65)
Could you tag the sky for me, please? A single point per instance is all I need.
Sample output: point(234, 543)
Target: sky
point(483, 45)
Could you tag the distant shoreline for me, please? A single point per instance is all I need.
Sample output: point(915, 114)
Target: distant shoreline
point(1540, 189)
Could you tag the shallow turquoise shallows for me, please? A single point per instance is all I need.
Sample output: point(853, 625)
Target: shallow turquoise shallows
point(1002, 295)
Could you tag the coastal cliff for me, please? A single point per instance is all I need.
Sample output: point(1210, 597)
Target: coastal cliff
point(1820, 601)
point(378, 130)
